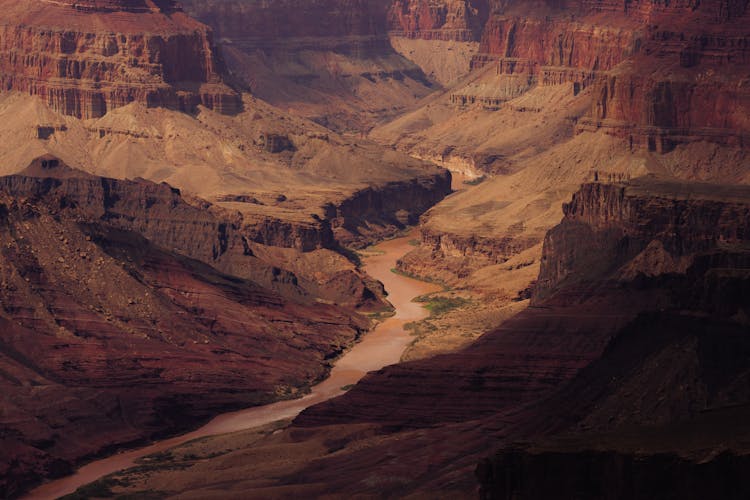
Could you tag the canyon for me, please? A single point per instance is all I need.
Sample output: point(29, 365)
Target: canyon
point(576, 173)
point(587, 374)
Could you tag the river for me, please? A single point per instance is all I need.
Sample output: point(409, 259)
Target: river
point(381, 347)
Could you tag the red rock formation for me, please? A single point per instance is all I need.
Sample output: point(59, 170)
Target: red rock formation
point(648, 61)
point(662, 223)
point(85, 58)
point(460, 20)
point(385, 206)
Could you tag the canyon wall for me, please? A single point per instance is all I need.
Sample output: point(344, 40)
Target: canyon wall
point(87, 58)
point(372, 212)
point(456, 20)
point(639, 377)
point(655, 98)
point(646, 226)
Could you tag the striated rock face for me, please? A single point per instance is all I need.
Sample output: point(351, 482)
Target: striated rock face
point(460, 255)
point(644, 227)
point(457, 20)
point(86, 58)
point(547, 46)
point(394, 205)
point(225, 240)
point(93, 266)
point(663, 96)
point(655, 97)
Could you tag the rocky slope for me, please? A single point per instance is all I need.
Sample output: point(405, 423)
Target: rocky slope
point(290, 178)
point(119, 324)
point(293, 194)
point(661, 344)
point(87, 58)
point(645, 227)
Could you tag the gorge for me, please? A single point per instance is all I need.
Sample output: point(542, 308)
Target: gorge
point(190, 193)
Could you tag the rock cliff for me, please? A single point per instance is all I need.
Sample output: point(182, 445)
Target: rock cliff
point(457, 20)
point(653, 98)
point(87, 58)
point(644, 227)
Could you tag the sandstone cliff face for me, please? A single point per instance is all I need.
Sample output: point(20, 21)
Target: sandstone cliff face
point(93, 266)
point(549, 46)
point(644, 227)
point(372, 212)
point(86, 58)
point(659, 99)
point(654, 98)
point(457, 20)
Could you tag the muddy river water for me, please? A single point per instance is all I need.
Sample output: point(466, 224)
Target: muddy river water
point(380, 347)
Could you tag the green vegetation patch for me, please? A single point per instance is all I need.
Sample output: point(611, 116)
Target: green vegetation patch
point(380, 315)
point(475, 182)
point(398, 271)
point(441, 305)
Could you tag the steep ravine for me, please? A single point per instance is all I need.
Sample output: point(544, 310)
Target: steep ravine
point(382, 347)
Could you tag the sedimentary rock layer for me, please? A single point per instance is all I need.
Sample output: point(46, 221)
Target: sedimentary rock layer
point(86, 58)
point(645, 227)
point(653, 97)
point(457, 20)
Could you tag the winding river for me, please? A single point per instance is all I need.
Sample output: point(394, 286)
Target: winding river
point(381, 347)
